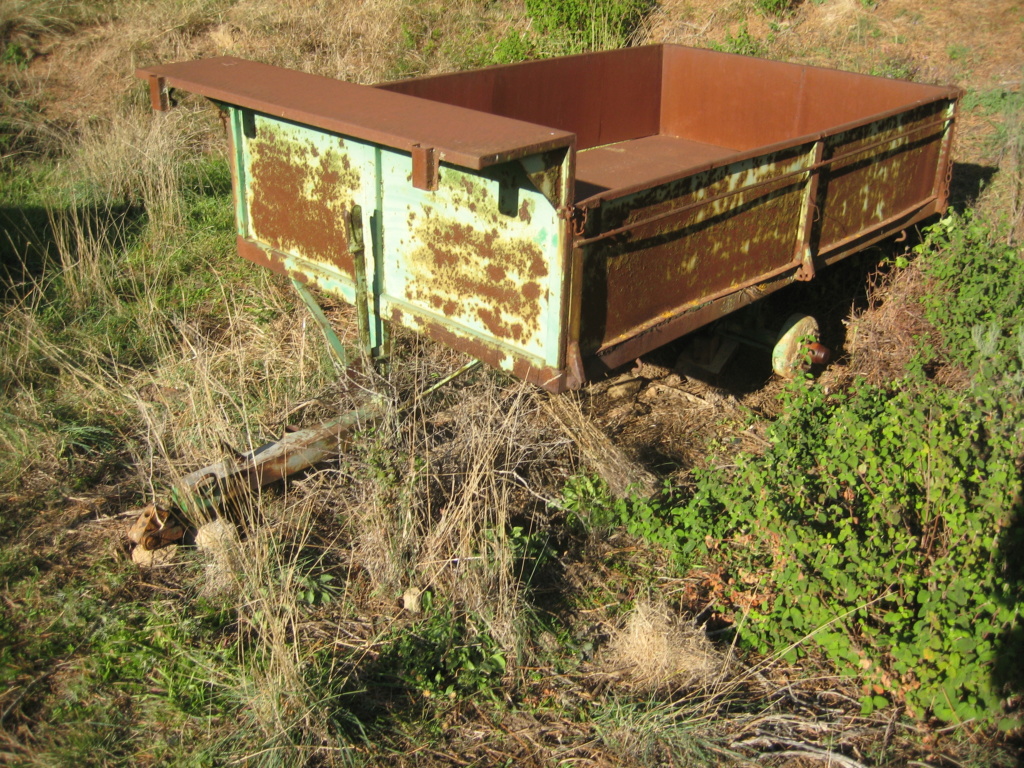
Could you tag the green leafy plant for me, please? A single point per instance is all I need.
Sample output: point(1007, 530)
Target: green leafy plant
point(957, 51)
point(878, 529)
point(742, 43)
point(15, 55)
point(897, 67)
point(881, 524)
point(445, 654)
point(578, 25)
point(963, 244)
point(316, 588)
point(774, 7)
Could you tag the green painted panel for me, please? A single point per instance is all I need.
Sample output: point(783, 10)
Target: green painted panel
point(479, 255)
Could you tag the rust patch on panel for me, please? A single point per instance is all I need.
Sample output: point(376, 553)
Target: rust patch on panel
point(549, 378)
point(300, 195)
point(688, 240)
point(888, 167)
point(467, 272)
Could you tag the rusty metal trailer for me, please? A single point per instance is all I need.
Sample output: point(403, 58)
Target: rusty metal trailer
point(559, 218)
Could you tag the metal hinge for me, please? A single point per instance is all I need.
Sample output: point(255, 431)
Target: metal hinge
point(577, 218)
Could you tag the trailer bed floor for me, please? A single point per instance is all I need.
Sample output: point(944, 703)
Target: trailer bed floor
point(639, 161)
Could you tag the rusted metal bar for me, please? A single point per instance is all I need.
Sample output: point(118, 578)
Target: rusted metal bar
point(159, 97)
point(804, 252)
point(203, 491)
point(944, 176)
point(464, 136)
point(358, 251)
point(321, 319)
point(424, 168)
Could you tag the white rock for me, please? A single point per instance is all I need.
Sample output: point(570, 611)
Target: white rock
point(411, 599)
point(218, 536)
point(154, 558)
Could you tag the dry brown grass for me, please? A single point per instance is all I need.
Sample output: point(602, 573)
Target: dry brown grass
point(880, 339)
point(438, 498)
point(358, 41)
point(22, 22)
point(694, 22)
point(655, 650)
point(600, 455)
point(434, 497)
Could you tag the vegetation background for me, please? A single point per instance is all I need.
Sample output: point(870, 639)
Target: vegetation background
point(655, 571)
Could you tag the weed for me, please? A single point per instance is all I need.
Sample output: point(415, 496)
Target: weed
point(14, 55)
point(880, 520)
point(896, 67)
point(875, 541)
point(991, 299)
point(512, 47)
point(448, 654)
point(742, 43)
point(649, 732)
point(474, 51)
point(998, 101)
point(957, 51)
point(23, 21)
point(573, 26)
point(774, 7)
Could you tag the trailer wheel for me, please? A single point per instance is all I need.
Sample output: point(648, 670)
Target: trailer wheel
point(797, 347)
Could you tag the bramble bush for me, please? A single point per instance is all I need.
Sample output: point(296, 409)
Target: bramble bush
point(883, 522)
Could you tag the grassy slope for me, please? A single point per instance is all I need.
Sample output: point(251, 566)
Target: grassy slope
point(134, 342)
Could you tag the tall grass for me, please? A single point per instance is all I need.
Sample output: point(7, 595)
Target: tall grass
point(24, 21)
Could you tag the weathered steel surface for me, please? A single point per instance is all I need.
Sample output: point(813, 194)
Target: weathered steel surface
point(879, 171)
point(560, 217)
point(467, 137)
point(683, 243)
point(601, 98)
point(747, 103)
point(300, 186)
point(481, 254)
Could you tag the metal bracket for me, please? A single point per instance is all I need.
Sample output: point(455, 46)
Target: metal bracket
point(577, 218)
point(545, 172)
point(425, 168)
point(810, 213)
point(159, 93)
point(575, 373)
